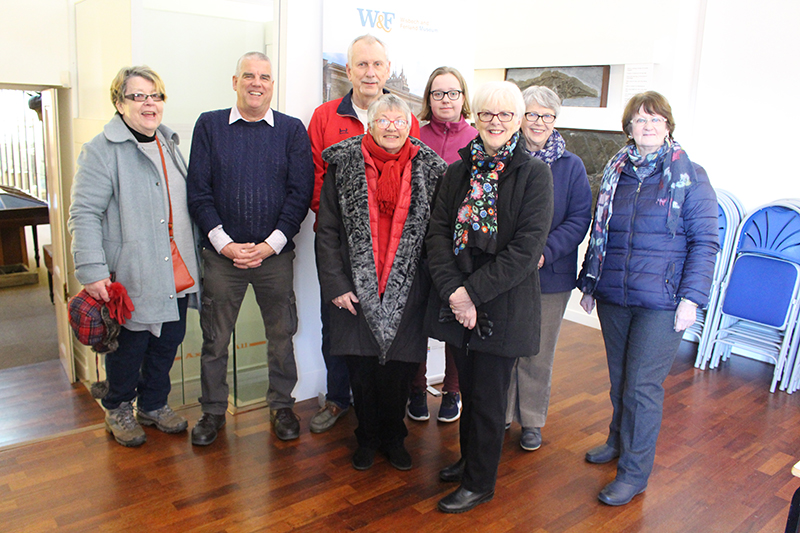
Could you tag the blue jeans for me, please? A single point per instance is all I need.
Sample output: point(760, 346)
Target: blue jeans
point(338, 378)
point(641, 345)
point(140, 366)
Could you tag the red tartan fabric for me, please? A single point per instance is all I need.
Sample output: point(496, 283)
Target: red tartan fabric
point(86, 319)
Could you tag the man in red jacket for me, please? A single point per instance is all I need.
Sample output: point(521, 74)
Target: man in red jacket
point(368, 68)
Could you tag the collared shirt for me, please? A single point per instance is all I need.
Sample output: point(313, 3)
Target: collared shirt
point(218, 237)
point(269, 117)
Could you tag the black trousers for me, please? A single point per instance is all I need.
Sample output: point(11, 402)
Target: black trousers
point(380, 395)
point(484, 380)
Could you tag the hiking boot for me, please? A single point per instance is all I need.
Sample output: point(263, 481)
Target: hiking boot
point(121, 423)
point(165, 419)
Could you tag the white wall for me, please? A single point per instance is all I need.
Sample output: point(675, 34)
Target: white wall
point(745, 121)
point(34, 38)
point(301, 73)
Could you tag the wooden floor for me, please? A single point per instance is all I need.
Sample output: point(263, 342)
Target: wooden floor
point(723, 465)
point(37, 401)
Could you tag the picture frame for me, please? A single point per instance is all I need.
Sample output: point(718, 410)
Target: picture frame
point(581, 86)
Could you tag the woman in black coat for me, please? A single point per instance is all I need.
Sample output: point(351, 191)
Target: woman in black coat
point(490, 222)
point(373, 215)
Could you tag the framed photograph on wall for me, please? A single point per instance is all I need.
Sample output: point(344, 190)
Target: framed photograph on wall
point(577, 86)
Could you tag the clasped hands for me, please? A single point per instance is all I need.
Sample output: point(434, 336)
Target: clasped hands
point(463, 310)
point(247, 255)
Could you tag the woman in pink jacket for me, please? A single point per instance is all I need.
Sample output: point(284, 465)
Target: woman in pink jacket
point(446, 107)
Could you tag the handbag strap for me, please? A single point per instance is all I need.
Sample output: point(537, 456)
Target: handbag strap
point(166, 182)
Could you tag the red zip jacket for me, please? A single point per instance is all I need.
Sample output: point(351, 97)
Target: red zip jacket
point(331, 123)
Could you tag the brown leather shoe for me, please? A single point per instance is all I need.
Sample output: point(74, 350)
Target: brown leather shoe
point(325, 418)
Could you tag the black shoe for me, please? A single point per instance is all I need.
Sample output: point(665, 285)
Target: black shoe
point(463, 500)
point(286, 423)
point(531, 439)
point(205, 431)
point(619, 493)
point(453, 472)
point(399, 458)
point(363, 458)
point(602, 454)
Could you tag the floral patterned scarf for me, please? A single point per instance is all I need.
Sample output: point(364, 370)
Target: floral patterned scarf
point(553, 149)
point(476, 220)
point(678, 174)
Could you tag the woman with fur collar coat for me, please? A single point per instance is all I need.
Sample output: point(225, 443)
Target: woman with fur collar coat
point(374, 210)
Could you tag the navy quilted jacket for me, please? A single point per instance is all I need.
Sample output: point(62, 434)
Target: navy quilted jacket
point(645, 266)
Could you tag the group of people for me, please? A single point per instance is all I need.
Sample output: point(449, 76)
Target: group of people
point(464, 234)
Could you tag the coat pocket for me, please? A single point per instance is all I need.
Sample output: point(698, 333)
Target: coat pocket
point(126, 263)
point(672, 279)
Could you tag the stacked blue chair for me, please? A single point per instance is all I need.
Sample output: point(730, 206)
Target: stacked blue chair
point(758, 306)
point(730, 213)
point(794, 348)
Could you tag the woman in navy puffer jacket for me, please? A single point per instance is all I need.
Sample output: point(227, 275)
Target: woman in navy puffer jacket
point(648, 266)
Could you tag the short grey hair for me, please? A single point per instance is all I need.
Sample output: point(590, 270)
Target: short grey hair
point(502, 93)
point(250, 55)
point(368, 39)
point(388, 102)
point(543, 96)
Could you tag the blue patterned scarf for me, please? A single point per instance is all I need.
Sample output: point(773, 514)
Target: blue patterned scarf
point(553, 149)
point(678, 174)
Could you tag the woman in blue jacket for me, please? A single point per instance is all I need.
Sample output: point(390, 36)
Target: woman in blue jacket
point(648, 267)
point(529, 392)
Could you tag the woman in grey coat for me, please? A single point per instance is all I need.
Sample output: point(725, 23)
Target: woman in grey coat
point(373, 215)
point(130, 184)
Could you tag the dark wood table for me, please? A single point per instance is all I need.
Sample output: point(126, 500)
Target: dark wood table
point(17, 210)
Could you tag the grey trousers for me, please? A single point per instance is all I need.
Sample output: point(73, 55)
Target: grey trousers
point(641, 345)
point(224, 288)
point(529, 392)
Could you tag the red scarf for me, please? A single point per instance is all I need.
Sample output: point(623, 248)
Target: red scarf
point(390, 168)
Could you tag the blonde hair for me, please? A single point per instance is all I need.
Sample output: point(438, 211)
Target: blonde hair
point(120, 82)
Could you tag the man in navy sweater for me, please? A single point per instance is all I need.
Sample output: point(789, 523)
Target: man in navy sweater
point(249, 185)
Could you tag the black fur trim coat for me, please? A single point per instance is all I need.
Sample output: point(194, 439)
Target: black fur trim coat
point(389, 328)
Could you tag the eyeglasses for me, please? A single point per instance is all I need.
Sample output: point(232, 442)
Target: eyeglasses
point(533, 117)
point(502, 116)
point(452, 95)
point(383, 123)
point(655, 121)
point(139, 97)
